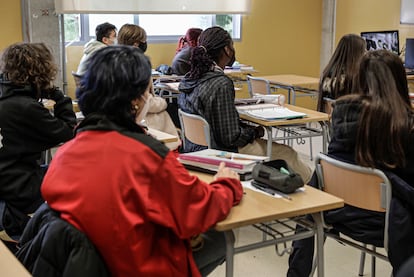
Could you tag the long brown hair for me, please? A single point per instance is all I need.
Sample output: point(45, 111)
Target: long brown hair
point(29, 64)
point(386, 120)
point(342, 67)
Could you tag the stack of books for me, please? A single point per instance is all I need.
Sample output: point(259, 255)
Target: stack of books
point(208, 161)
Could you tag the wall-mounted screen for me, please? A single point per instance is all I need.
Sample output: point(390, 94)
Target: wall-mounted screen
point(388, 40)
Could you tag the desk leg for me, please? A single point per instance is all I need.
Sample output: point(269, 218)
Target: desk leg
point(319, 244)
point(269, 131)
point(293, 96)
point(324, 137)
point(229, 252)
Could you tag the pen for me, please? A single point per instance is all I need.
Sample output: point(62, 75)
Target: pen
point(270, 191)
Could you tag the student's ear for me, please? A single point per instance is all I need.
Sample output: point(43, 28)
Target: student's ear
point(105, 40)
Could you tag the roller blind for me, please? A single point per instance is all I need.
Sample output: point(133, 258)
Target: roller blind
point(153, 6)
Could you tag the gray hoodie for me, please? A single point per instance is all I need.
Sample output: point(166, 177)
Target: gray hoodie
point(90, 47)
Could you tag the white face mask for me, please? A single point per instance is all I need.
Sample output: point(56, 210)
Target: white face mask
point(140, 117)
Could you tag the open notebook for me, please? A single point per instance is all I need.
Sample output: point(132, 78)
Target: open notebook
point(271, 112)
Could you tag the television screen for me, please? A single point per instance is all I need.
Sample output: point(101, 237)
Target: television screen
point(388, 40)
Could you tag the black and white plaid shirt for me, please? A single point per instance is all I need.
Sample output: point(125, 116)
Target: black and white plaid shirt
point(212, 97)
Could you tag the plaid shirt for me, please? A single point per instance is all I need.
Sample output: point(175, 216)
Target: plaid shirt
point(212, 97)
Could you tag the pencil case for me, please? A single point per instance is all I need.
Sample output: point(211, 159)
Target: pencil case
point(277, 175)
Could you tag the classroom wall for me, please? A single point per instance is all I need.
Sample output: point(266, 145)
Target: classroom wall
point(11, 22)
point(277, 37)
point(355, 16)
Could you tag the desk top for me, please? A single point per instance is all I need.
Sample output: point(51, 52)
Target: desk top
point(293, 80)
point(10, 265)
point(162, 136)
point(50, 104)
point(257, 207)
point(312, 116)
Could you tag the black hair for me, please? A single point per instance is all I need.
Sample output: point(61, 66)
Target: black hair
point(104, 30)
point(114, 77)
point(210, 46)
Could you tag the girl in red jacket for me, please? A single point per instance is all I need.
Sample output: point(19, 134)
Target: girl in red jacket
point(125, 190)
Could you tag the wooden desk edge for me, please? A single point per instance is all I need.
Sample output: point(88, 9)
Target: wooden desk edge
point(333, 203)
point(313, 116)
point(10, 265)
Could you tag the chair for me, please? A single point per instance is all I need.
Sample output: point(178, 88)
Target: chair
point(194, 128)
point(361, 187)
point(259, 85)
point(77, 78)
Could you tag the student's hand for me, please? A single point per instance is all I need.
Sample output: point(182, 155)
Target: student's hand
point(225, 172)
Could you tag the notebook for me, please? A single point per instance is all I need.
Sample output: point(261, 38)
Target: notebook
point(208, 160)
point(274, 113)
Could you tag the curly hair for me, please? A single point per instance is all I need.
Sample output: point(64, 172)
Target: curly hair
point(29, 64)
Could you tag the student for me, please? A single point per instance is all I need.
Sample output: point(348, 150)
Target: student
point(361, 123)
point(134, 35)
point(157, 116)
point(338, 77)
point(27, 129)
point(125, 190)
point(181, 62)
point(208, 92)
point(105, 35)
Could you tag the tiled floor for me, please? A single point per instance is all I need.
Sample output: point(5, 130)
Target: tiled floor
point(340, 260)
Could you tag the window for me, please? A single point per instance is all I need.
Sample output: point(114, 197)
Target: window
point(80, 28)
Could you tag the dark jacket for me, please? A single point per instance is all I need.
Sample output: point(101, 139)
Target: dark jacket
point(181, 62)
point(52, 247)
point(364, 225)
point(26, 130)
point(212, 97)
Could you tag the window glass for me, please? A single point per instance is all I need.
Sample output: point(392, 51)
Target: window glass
point(72, 27)
point(160, 28)
point(173, 24)
point(117, 19)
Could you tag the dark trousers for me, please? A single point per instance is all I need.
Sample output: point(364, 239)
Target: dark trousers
point(213, 252)
point(300, 261)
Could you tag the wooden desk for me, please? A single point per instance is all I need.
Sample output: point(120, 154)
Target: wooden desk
point(293, 83)
point(162, 136)
point(312, 116)
point(50, 104)
point(10, 265)
point(239, 74)
point(257, 207)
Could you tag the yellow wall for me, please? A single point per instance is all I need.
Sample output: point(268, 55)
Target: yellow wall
point(277, 37)
point(11, 22)
point(355, 16)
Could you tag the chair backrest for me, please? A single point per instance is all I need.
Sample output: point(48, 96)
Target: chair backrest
point(195, 128)
point(362, 187)
point(258, 85)
point(327, 103)
point(77, 78)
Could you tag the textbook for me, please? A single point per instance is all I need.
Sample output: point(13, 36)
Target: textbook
point(208, 160)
